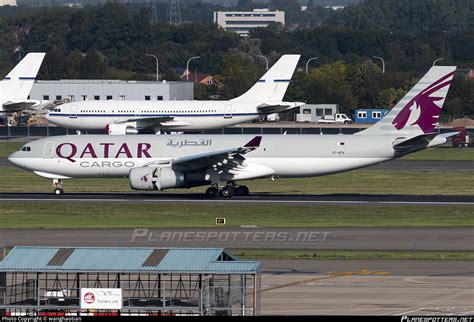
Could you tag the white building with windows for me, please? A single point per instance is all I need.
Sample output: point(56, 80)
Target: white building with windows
point(314, 112)
point(242, 22)
point(83, 90)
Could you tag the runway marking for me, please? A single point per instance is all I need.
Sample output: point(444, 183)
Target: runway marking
point(442, 299)
point(331, 275)
point(361, 272)
point(321, 278)
point(347, 202)
point(412, 311)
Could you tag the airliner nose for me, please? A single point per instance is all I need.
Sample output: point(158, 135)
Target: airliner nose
point(13, 158)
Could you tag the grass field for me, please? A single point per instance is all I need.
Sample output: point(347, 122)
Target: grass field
point(350, 255)
point(140, 214)
point(354, 182)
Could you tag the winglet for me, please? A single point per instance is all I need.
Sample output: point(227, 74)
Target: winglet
point(254, 143)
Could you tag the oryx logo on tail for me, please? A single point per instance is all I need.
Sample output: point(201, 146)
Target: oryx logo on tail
point(424, 109)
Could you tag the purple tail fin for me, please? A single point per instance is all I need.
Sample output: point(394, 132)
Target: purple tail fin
point(419, 110)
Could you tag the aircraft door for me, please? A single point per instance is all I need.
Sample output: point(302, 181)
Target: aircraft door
point(73, 113)
point(227, 111)
point(48, 150)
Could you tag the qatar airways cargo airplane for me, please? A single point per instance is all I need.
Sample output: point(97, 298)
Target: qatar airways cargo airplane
point(16, 86)
point(125, 117)
point(182, 161)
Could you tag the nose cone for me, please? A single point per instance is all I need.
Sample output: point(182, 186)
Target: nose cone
point(47, 116)
point(13, 158)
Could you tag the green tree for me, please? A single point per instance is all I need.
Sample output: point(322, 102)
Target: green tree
point(237, 76)
point(94, 65)
point(170, 75)
point(53, 64)
point(460, 99)
point(367, 83)
point(329, 83)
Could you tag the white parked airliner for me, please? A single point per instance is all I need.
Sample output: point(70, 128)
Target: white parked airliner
point(16, 86)
point(124, 117)
point(158, 162)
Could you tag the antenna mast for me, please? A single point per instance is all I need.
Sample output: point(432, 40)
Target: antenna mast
point(174, 13)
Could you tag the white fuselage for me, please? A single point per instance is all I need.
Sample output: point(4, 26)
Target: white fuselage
point(278, 155)
point(183, 115)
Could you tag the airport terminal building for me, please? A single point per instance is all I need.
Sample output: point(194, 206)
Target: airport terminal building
point(89, 89)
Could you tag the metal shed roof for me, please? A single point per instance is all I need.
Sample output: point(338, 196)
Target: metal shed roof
point(124, 260)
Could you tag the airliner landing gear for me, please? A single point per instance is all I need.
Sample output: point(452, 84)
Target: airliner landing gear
point(238, 190)
point(212, 192)
point(242, 191)
point(227, 191)
point(58, 187)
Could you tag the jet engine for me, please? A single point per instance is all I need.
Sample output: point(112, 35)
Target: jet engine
point(120, 129)
point(156, 178)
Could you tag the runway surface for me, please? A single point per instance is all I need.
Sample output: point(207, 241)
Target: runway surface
point(407, 165)
point(330, 199)
point(328, 238)
point(432, 268)
point(367, 293)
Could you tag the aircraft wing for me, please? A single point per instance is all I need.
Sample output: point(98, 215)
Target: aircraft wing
point(277, 108)
point(152, 121)
point(223, 160)
point(11, 107)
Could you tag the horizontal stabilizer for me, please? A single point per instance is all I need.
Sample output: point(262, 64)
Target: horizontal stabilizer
point(10, 107)
point(407, 145)
point(277, 108)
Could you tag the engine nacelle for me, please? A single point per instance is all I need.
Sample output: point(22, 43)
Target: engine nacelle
point(156, 178)
point(120, 129)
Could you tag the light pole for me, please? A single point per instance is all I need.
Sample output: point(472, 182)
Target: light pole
point(156, 58)
point(266, 60)
point(436, 60)
point(307, 63)
point(383, 63)
point(187, 66)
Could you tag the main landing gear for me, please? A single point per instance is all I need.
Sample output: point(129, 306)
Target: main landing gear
point(58, 187)
point(227, 191)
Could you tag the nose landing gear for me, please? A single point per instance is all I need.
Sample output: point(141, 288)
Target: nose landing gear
point(58, 187)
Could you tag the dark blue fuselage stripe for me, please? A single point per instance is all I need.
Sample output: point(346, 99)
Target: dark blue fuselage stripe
point(21, 78)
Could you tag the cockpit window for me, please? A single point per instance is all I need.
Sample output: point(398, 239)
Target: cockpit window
point(26, 149)
point(57, 110)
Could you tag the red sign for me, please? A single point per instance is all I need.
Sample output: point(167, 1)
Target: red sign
point(89, 298)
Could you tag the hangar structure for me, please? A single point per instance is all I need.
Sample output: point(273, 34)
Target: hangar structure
point(47, 281)
point(107, 89)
